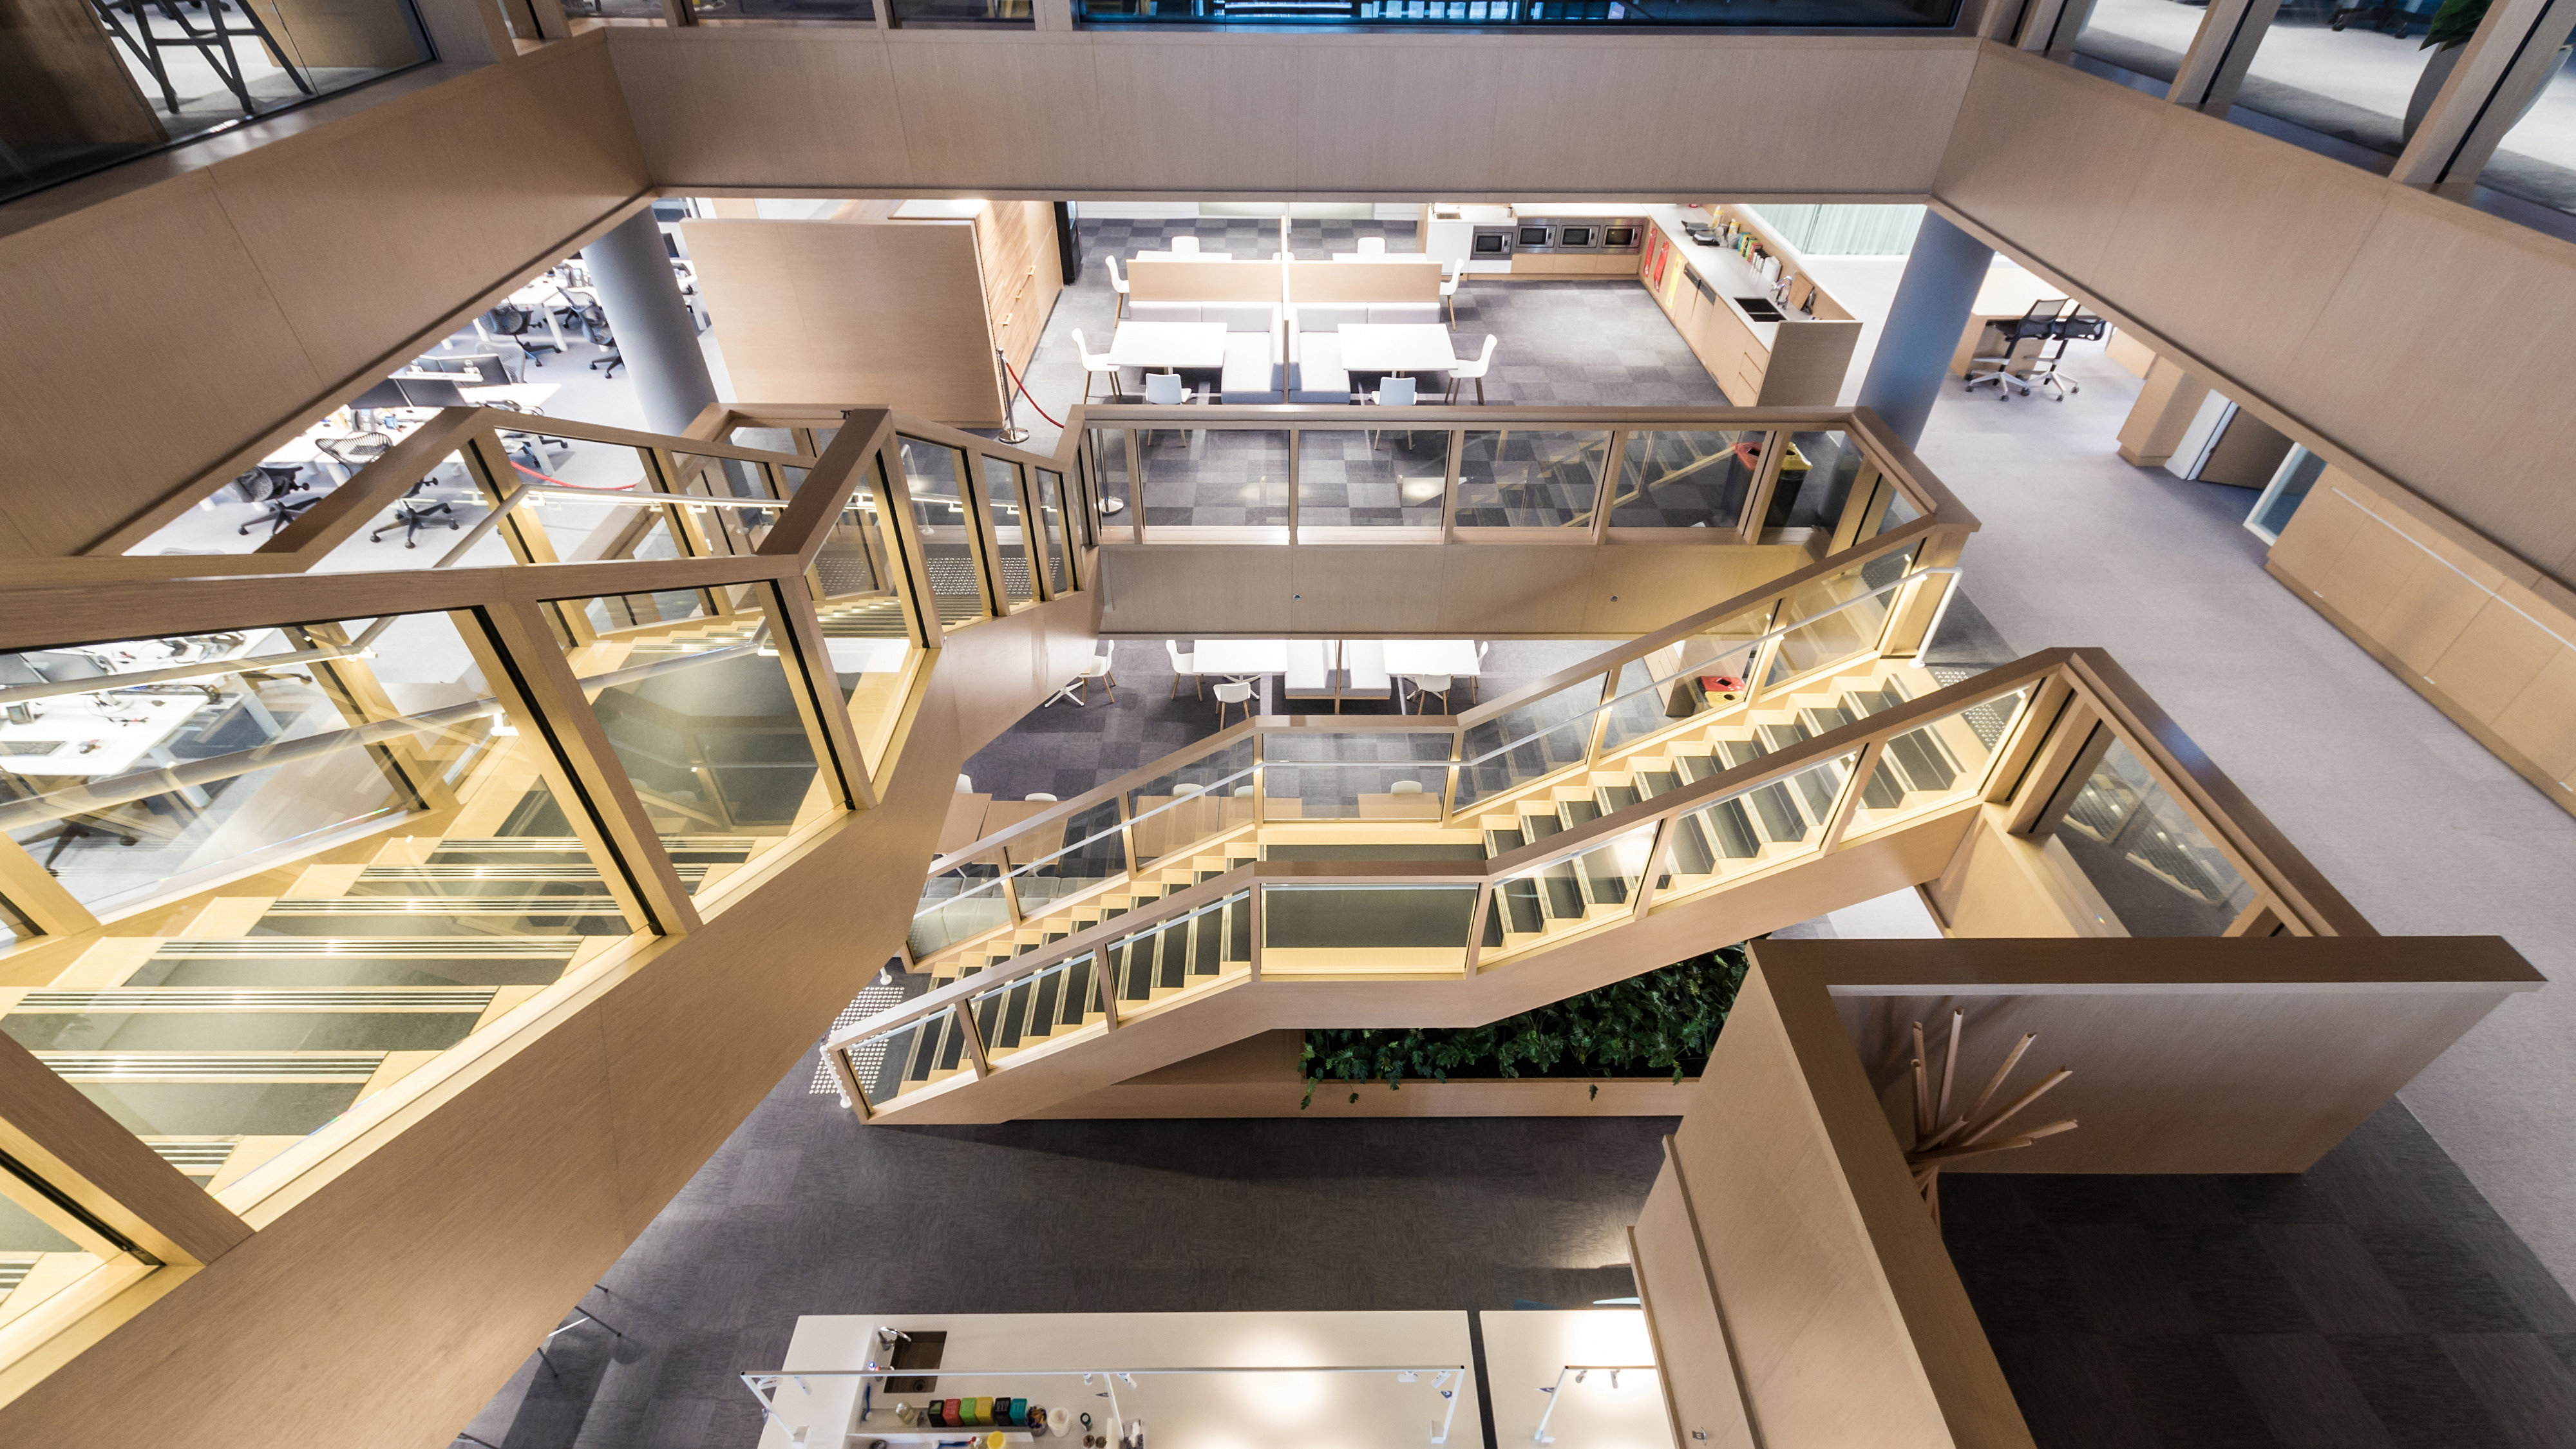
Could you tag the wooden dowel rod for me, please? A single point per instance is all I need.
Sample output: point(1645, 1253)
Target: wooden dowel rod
point(1950, 1064)
point(2024, 1100)
point(2011, 1060)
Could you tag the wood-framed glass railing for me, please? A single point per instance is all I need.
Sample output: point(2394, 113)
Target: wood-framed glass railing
point(2058, 742)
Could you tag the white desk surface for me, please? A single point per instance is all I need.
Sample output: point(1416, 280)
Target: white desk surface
point(1242, 1411)
point(1244, 657)
point(2010, 291)
point(1396, 347)
point(76, 719)
point(1168, 344)
point(1188, 256)
point(1524, 1351)
point(1432, 656)
point(518, 394)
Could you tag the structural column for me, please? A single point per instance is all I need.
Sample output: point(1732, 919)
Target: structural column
point(655, 333)
point(1933, 299)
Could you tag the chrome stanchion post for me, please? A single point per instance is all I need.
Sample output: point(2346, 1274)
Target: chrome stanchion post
point(1011, 431)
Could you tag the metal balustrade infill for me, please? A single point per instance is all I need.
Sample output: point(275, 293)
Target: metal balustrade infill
point(1213, 896)
point(293, 833)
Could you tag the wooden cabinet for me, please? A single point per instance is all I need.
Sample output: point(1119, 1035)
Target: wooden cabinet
point(1799, 363)
point(1015, 251)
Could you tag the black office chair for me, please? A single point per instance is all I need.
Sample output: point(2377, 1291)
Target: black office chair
point(276, 485)
point(1998, 367)
point(512, 322)
point(594, 321)
point(2044, 366)
point(414, 513)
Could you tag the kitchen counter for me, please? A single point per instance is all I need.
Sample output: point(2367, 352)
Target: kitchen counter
point(1798, 361)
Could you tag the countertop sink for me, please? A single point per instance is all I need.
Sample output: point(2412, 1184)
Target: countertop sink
point(1759, 309)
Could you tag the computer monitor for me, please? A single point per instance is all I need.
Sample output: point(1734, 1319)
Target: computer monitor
point(382, 395)
point(424, 393)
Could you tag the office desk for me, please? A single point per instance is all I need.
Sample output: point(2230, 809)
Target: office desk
point(2008, 292)
point(1168, 345)
point(124, 745)
point(525, 396)
point(1454, 657)
point(1240, 658)
point(1397, 347)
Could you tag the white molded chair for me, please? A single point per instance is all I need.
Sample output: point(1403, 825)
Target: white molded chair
point(1184, 666)
point(965, 784)
point(1405, 787)
point(1118, 280)
point(1449, 290)
point(1185, 246)
point(1430, 684)
point(1077, 689)
point(1050, 799)
point(1392, 392)
point(1372, 246)
point(1233, 692)
point(1164, 389)
point(1094, 364)
point(1473, 372)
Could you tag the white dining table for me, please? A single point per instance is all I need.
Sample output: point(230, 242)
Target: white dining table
point(124, 732)
point(1454, 657)
point(1397, 347)
point(1187, 256)
point(1240, 658)
point(1168, 344)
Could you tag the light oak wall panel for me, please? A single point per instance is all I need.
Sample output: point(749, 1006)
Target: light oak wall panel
point(1112, 113)
point(1698, 1379)
point(157, 336)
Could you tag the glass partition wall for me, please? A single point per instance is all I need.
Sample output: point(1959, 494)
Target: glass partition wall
point(270, 871)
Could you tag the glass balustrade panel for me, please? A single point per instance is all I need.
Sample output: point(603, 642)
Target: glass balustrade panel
point(1816, 477)
point(1597, 883)
point(1207, 945)
point(1836, 619)
point(1539, 480)
point(1685, 679)
point(1051, 521)
point(996, 14)
point(1112, 484)
point(800, 11)
point(1048, 862)
point(1529, 741)
point(1937, 764)
point(1003, 508)
point(323, 854)
point(770, 440)
point(2156, 868)
point(1366, 930)
point(1755, 829)
point(1384, 486)
point(707, 721)
point(46, 1251)
point(1176, 812)
point(717, 530)
point(1214, 485)
point(2536, 160)
point(909, 1058)
point(1674, 479)
point(1374, 776)
point(1046, 1005)
point(934, 477)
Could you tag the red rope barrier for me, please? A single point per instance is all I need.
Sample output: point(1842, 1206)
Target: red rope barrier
point(1024, 392)
point(584, 487)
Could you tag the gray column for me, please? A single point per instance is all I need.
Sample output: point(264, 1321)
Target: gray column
point(654, 331)
point(1912, 360)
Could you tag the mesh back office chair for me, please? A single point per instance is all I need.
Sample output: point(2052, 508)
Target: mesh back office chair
point(594, 321)
point(512, 322)
point(2043, 365)
point(275, 484)
point(1998, 366)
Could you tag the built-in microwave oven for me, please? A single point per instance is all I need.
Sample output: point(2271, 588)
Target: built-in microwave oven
point(1578, 236)
point(1623, 236)
point(1491, 244)
point(1534, 236)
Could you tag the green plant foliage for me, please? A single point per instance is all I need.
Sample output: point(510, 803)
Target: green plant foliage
point(1665, 1020)
point(2454, 23)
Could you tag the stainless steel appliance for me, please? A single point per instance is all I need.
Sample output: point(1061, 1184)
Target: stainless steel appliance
point(1623, 234)
point(1534, 236)
point(1491, 244)
point(1578, 236)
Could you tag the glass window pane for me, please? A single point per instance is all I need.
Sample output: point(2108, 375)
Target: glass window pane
point(1350, 480)
point(855, 10)
point(2297, 474)
point(1390, 776)
point(1685, 480)
point(2536, 160)
point(1367, 929)
point(935, 478)
point(1530, 480)
point(327, 869)
point(2350, 79)
point(705, 718)
point(1234, 479)
point(1059, 563)
point(1009, 14)
point(2159, 873)
point(1936, 764)
point(1010, 531)
point(2147, 37)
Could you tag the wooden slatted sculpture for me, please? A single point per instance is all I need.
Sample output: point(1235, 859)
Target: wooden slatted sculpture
point(1936, 1144)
